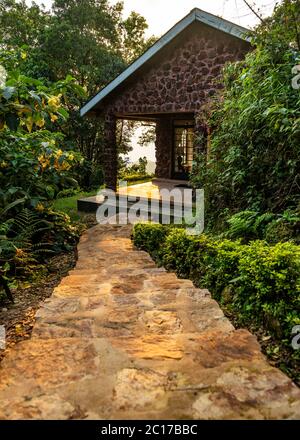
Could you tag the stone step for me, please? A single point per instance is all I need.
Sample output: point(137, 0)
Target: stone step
point(157, 214)
point(146, 206)
point(163, 312)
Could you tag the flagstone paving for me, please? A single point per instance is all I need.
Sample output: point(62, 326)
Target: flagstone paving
point(123, 339)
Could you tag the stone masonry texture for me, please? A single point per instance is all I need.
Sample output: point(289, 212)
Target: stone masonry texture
point(184, 78)
point(163, 148)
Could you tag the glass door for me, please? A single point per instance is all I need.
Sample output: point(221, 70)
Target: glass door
point(183, 149)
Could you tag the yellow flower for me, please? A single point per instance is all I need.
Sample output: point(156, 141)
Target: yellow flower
point(40, 122)
point(40, 207)
point(54, 101)
point(44, 162)
point(29, 124)
point(22, 109)
point(62, 166)
point(20, 253)
point(3, 164)
point(53, 117)
point(66, 166)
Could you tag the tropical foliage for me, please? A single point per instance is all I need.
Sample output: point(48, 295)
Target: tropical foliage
point(34, 161)
point(254, 159)
point(35, 165)
point(95, 45)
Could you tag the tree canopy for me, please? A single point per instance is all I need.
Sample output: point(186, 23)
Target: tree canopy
point(87, 39)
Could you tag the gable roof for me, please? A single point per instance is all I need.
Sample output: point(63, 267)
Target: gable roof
point(196, 15)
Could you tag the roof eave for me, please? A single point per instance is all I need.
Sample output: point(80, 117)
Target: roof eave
point(223, 25)
point(165, 39)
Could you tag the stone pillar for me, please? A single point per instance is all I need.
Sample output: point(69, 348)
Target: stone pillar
point(110, 156)
point(163, 148)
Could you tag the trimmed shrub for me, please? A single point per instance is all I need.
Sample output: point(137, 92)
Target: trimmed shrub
point(149, 237)
point(136, 177)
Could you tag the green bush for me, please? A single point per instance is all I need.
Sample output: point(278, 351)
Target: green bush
point(259, 282)
point(88, 174)
point(136, 177)
point(36, 162)
point(250, 225)
point(62, 234)
point(68, 192)
point(284, 227)
point(149, 237)
point(268, 285)
point(28, 239)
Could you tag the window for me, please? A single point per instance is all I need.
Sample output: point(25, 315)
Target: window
point(183, 147)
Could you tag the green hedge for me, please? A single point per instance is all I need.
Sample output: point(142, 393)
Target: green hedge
point(258, 282)
point(136, 177)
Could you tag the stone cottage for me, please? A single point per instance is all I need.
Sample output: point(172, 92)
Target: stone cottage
point(169, 85)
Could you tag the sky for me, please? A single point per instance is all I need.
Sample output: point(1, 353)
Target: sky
point(161, 15)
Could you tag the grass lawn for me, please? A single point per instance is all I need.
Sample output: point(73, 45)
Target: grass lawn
point(69, 204)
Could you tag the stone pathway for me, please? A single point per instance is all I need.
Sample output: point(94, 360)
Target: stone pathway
point(122, 339)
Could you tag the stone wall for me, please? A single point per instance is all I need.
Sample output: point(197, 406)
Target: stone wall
point(163, 148)
point(185, 79)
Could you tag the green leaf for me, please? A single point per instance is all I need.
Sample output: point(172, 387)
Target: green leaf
point(50, 191)
point(63, 112)
point(35, 96)
point(13, 204)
